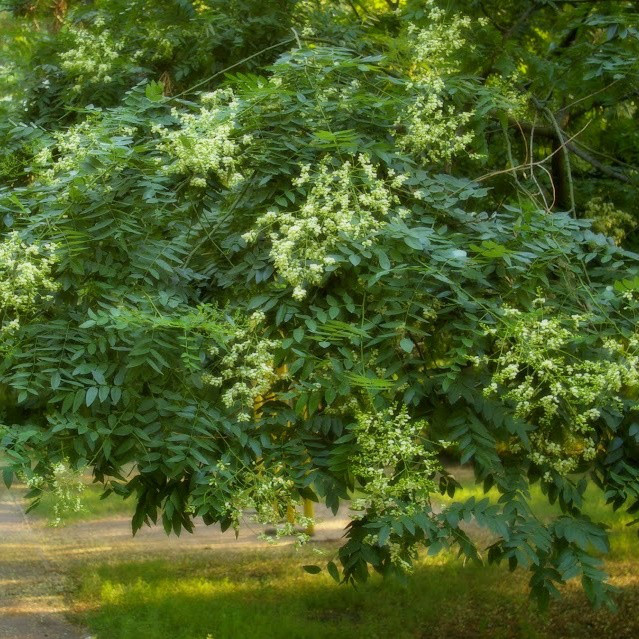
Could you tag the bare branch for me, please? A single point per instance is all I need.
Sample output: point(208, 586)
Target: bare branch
point(549, 132)
point(521, 167)
point(351, 4)
point(604, 168)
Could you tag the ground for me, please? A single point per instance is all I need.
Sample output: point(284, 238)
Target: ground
point(32, 605)
point(95, 573)
point(37, 561)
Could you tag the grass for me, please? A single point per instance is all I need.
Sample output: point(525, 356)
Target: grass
point(268, 598)
point(93, 507)
point(267, 595)
point(240, 596)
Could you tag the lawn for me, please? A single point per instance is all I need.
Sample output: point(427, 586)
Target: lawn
point(93, 506)
point(265, 594)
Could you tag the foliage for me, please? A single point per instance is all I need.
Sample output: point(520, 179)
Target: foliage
point(300, 284)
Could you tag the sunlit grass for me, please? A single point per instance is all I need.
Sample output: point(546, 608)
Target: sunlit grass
point(246, 596)
point(235, 597)
point(267, 595)
point(93, 506)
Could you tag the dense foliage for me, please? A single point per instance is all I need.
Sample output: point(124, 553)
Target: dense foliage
point(258, 252)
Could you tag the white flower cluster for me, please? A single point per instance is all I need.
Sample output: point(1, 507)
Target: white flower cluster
point(610, 220)
point(206, 141)
point(392, 462)
point(25, 277)
point(268, 494)
point(344, 95)
point(74, 146)
point(401, 555)
point(248, 366)
point(92, 136)
point(346, 204)
point(432, 127)
point(156, 45)
point(555, 390)
point(93, 56)
point(66, 488)
point(506, 94)
point(436, 45)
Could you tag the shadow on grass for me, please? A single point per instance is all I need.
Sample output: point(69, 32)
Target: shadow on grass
point(237, 597)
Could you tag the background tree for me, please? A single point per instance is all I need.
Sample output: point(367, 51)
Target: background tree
point(257, 253)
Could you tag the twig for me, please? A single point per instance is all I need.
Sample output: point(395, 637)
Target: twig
point(521, 21)
point(549, 132)
point(590, 95)
point(354, 8)
point(297, 38)
point(511, 161)
point(237, 64)
point(481, 178)
point(534, 177)
point(552, 186)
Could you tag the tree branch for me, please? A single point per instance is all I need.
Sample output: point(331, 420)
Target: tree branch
point(351, 4)
point(563, 169)
point(550, 133)
point(512, 30)
point(604, 168)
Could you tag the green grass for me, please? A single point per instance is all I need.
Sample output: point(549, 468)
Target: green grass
point(267, 595)
point(239, 596)
point(93, 507)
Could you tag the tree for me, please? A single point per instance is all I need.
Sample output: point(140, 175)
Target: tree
point(319, 267)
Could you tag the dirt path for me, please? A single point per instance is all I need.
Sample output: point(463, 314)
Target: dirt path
point(31, 585)
point(110, 539)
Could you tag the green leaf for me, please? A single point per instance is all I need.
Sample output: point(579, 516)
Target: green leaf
point(407, 344)
point(7, 476)
point(98, 377)
point(333, 571)
point(154, 91)
point(313, 570)
point(383, 535)
point(78, 400)
point(384, 262)
point(92, 393)
point(55, 380)
point(116, 393)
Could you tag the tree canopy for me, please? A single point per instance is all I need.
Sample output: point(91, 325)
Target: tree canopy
point(257, 252)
